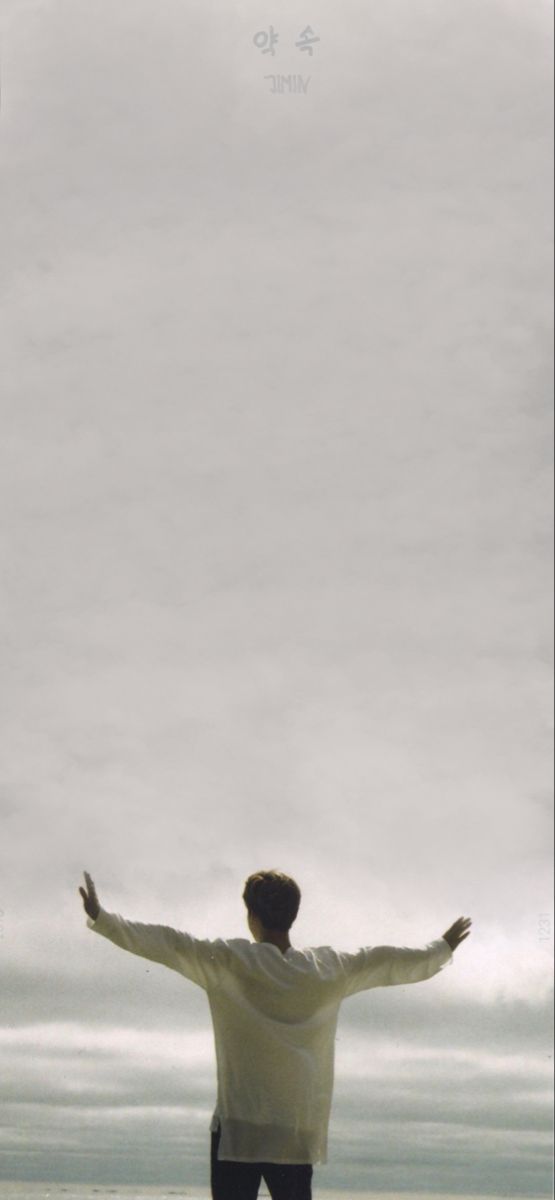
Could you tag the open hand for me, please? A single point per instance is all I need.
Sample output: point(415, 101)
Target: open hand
point(458, 932)
point(90, 898)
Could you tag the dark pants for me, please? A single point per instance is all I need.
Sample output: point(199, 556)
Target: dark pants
point(241, 1181)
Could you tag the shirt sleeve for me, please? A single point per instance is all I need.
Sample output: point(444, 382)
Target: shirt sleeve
point(198, 960)
point(386, 966)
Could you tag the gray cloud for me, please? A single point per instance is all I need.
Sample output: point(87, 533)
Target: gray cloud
point(471, 1092)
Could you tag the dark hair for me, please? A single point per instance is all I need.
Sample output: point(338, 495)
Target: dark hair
point(274, 898)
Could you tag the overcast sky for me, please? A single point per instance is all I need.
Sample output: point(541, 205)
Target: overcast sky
point(276, 533)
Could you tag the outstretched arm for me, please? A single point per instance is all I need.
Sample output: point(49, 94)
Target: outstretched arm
point(387, 966)
point(198, 960)
point(159, 943)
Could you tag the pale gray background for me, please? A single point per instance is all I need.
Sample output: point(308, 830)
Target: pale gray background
point(276, 522)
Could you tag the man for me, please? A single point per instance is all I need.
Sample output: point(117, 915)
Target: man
point(274, 1011)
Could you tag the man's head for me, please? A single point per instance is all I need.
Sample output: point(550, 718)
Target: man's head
point(273, 899)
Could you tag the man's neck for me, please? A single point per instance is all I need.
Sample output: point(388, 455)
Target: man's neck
point(275, 939)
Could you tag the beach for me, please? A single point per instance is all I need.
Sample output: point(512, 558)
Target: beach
point(43, 1190)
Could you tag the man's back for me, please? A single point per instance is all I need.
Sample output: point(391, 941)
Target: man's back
point(275, 1018)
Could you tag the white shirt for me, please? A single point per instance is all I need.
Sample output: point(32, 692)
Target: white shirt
point(275, 1017)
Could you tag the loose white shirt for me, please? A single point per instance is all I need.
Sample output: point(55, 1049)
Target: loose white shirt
point(275, 1018)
